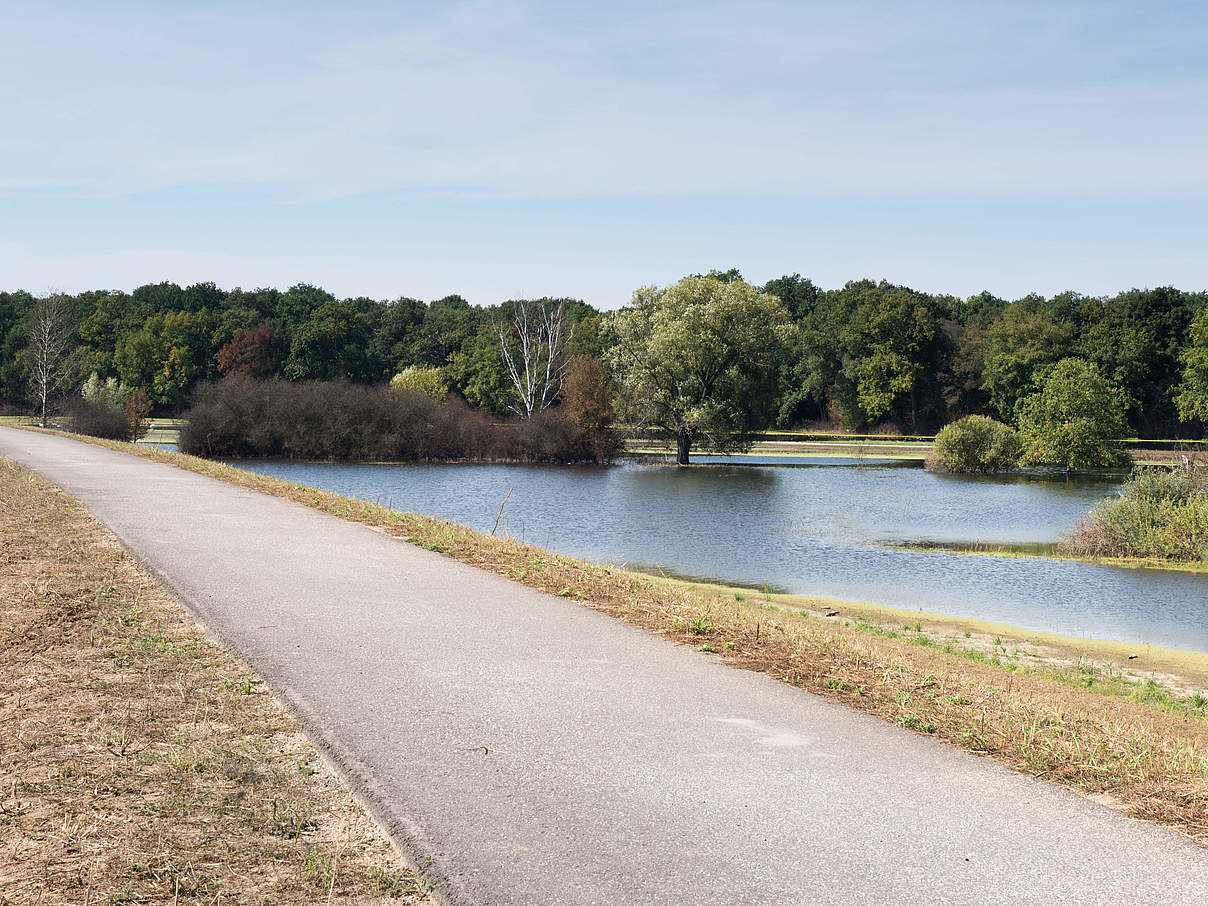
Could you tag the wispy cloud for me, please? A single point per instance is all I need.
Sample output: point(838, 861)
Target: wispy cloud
point(525, 100)
point(503, 148)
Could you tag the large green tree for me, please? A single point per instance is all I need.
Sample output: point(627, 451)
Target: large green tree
point(14, 343)
point(479, 374)
point(1191, 394)
point(892, 342)
point(1075, 421)
point(699, 359)
point(448, 325)
point(798, 294)
point(1020, 347)
point(335, 342)
point(167, 355)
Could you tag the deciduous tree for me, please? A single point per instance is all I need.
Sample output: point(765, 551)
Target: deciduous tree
point(1021, 345)
point(52, 350)
point(249, 353)
point(1191, 394)
point(533, 346)
point(586, 395)
point(422, 379)
point(698, 359)
point(1076, 421)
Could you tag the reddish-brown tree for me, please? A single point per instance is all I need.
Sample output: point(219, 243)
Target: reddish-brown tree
point(586, 396)
point(249, 353)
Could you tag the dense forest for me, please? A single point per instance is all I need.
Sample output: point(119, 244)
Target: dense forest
point(865, 355)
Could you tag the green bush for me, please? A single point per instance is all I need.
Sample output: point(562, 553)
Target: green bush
point(1157, 514)
point(975, 444)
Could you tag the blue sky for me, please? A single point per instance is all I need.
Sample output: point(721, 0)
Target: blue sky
point(504, 149)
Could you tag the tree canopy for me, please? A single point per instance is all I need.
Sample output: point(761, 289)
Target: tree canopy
point(1192, 391)
point(868, 353)
point(698, 359)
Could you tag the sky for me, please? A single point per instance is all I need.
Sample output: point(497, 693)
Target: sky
point(520, 149)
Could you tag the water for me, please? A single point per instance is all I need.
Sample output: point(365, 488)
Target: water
point(826, 527)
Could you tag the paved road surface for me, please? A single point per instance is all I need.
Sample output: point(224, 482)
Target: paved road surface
point(537, 752)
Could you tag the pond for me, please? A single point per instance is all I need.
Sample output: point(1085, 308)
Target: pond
point(827, 527)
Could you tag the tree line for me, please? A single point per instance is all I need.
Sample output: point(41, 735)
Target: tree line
point(864, 355)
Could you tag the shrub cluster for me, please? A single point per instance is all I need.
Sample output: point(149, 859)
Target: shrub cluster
point(109, 409)
point(975, 444)
point(102, 419)
point(244, 417)
point(1158, 514)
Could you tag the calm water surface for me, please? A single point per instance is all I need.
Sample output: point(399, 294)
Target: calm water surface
point(821, 527)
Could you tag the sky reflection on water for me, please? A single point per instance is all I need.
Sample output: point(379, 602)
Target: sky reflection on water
point(824, 527)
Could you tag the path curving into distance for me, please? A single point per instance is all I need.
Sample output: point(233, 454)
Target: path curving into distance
point(531, 751)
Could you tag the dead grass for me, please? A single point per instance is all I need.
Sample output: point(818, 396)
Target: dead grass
point(142, 763)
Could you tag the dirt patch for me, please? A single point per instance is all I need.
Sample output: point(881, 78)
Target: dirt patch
point(141, 762)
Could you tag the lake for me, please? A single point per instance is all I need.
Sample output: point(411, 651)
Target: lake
point(826, 527)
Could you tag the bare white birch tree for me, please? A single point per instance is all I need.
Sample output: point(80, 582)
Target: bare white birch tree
point(52, 352)
point(534, 351)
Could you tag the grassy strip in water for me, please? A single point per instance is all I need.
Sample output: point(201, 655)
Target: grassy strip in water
point(1146, 754)
point(1052, 552)
point(142, 762)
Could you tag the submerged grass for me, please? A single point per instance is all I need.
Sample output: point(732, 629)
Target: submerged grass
point(1132, 740)
point(142, 763)
point(1056, 551)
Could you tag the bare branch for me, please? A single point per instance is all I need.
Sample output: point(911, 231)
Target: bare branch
point(534, 351)
point(52, 349)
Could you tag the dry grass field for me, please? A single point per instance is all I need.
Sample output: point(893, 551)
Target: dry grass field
point(141, 762)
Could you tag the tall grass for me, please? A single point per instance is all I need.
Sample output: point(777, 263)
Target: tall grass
point(1158, 514)
point(244, 417)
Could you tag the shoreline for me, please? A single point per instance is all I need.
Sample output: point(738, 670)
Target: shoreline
point(1183, 667)
point(150, 451)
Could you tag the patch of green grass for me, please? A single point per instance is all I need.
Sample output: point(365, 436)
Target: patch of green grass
point(290, 821)
point(914, 722)
point(241, 685)
point(1083, 674)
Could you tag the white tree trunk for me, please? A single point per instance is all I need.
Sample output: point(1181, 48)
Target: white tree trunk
point(52, 353)
point(534, 351)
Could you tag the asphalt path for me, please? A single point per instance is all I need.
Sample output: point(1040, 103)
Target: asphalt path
point(526, 750)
